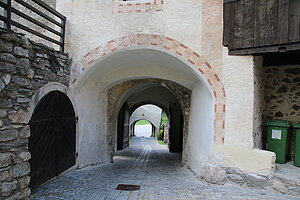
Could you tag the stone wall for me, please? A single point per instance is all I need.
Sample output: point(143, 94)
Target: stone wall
point(277, 96)
point(282, 92)
point(277, 182)
point(282, 96)
point(24, 68)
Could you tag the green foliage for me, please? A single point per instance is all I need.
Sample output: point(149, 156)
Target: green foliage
point(142, 122)
point(161, 142)
point(160, 135)
point(164, 118)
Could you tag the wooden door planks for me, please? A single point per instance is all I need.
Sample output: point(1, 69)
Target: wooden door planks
point(261, 26)
point(249, 17)
point(283, 18)
point(294, 21)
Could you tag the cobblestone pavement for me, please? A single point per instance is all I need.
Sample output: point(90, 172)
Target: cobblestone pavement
point(149, 165)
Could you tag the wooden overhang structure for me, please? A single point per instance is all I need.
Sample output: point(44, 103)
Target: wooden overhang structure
point(261, 27)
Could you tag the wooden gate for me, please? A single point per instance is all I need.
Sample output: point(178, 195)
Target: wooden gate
point(53, 138)
point(123, 128)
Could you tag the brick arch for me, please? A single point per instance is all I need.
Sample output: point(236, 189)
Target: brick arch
point(191, 58)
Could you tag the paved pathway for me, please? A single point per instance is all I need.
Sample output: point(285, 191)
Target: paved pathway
point(149, 165)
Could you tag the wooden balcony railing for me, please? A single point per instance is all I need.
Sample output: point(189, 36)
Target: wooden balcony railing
point(9, 20)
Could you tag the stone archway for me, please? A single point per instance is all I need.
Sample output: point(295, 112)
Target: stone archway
point(118, 97)
point(204, 71)
point(52, 86)
point(148, 111)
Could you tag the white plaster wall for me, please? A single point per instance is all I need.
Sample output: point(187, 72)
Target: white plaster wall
point(92, 141)
point(238, 80)
point(200, 139)
point(140, 63)
point(66, 8)
point(93, 24)
point(148, 112)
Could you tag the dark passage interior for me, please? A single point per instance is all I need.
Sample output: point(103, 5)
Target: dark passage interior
point(161, 97)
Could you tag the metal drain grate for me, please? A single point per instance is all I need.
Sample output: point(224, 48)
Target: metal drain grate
point(126, 187)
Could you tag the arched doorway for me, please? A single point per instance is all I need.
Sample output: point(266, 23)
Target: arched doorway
point(53, 138)
point(143, 128)
point(126, 62)
point(146, 114)
point(154, 94)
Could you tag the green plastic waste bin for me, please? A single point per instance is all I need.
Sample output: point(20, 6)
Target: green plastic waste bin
point(297, 145)
point(277, 138)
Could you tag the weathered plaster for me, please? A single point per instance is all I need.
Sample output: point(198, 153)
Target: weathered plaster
point(200, 139)
point(238, 81)
point(101, 25)
point(243, 158)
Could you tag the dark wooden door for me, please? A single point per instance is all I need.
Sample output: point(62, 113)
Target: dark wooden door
point(120, 131)
point(176, 128)
point(123, 128)
point(53, 138)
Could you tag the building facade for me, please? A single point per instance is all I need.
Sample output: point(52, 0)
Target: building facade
point(114, 42)
point(126, 54)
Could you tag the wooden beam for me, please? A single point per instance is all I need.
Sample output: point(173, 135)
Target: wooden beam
point(230, 1)
point(266, 49)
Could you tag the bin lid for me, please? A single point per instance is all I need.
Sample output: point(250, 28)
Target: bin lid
point(280, 123)
point(297, 125)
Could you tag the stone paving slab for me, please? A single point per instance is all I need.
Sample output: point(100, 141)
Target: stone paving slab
point(150, 165)
point(288, 171)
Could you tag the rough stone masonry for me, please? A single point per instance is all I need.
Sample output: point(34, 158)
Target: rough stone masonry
point(24, 68)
